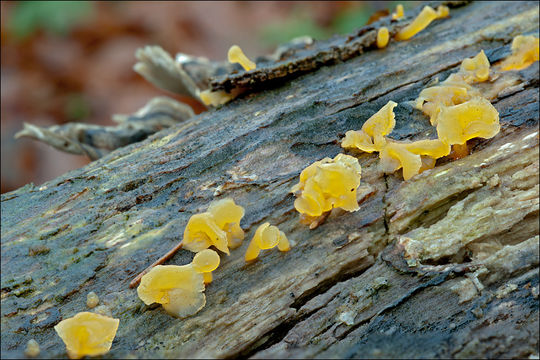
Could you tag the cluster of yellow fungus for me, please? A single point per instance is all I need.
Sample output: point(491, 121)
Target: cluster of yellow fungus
point(219, 226)
point(236, 55)
point(266, 237)
point(455, 107)
point(525, 51)
point(383, 36)
point(328, 184)
point(87, 334)
point(426, 16)
point(413, 157)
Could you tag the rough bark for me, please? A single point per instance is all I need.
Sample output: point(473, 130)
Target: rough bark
point(349, 288)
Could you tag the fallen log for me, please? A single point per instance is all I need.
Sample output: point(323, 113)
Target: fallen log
point(352, 287)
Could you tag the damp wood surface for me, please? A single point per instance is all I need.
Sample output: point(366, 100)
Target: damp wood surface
point(442, 265)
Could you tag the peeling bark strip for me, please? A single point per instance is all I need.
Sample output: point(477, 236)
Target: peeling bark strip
point(335, 293)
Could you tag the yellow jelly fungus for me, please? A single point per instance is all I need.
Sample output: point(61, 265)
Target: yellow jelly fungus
point(328, 184)
point(92, 300)
point(442, 11)
point(474, 118)
point(382, 37)
point(32, 348)
point(227, 216)
point(395, 156)
point(432, 99)
point(87, 334)
point(399, 12)
point(266, 237)
point(215, 98)
point(382, 122)
point(426, 16)
point(370, 137)
point(431, 148)
point(202, 232)
point(475, 69)
point(205, 262)
point(236, 55)
point(179, 289)
point(525, 51)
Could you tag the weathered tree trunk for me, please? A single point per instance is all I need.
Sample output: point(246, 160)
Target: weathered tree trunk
point(345, 288)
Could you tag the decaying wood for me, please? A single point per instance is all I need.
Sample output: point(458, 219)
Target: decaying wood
point(442, 265)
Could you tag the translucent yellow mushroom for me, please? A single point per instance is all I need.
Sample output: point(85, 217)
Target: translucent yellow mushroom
point(382, 37)
point(426, 16)
point(266, 237)
point(179, 289)
point(87, 334)
point(205, 262)
point(475, 69)
point(474, 118)
point(32, 348)
point(442, 11)
point(525, 51)
point(432, 99)
point(92, 300)
point(370, 137)
point(236, 55)
point(202, 232)
point(227, 216)
point(328, 184)
point(399, 12)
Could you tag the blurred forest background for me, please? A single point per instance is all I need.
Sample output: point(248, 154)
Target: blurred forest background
point(66, 61)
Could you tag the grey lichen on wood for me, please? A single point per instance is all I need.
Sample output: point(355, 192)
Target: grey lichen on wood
point(354, 286)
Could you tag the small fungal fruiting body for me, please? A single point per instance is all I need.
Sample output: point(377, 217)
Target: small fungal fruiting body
point(205, 262)
point(87, 334)
point(219, 226)
point(442, 11)
point(426, 16)
point(32, 348)
point(371, 137)
point(328, 184)
point(179, 289)
point(236, 55)
point(383, 36)
point(525, 51)
point(266, 237)
point(474, 118)
point(92, 300)
point(399, 12)
point(218, 97)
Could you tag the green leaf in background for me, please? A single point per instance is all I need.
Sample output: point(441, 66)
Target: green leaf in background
point(294, 26)
point(351, 19)
point(57, 17)
point(76, 107)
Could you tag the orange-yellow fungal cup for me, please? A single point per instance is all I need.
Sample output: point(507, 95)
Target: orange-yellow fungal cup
point(474, 118)
point(266, 237)
point(179, 289)
point(525, 51)
point(442, 11)
point(87, 334)
point(383, 36)
point(399, 12)
point(426, 16)
point(219, 226)
point(236, 55)
point(328, 184)
point(371, 137)
point(205, 262)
